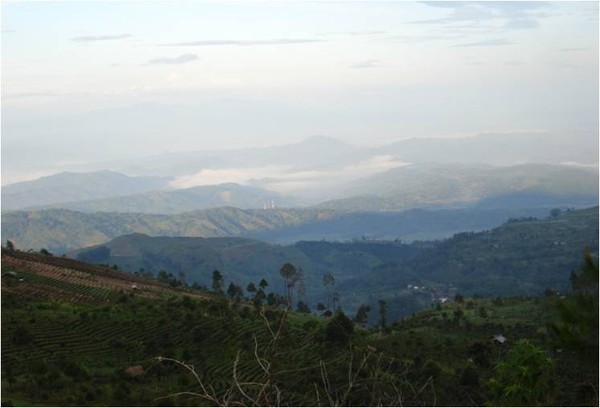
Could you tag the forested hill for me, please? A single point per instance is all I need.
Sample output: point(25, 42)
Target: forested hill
point(522, 257)
point(60, 230)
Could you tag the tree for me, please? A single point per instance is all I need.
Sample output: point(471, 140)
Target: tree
point(217, 282)
point(525, 378)
point(290, 277)
point(259, 298)
point(235, 292)
point(335, 298)
point(339, 329)
point(577, 328)
point(382, 314)
point(10, 245)
point(302, 307)
point(263, 284)
point(301, 286)
point(251, 288)
point(361, 315)
point(329, 281)
point(272, 299)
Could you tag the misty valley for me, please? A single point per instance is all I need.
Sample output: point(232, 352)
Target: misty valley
point(425, 283)
point(299, 203)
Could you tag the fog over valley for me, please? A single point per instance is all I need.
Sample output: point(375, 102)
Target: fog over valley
point(298, 203)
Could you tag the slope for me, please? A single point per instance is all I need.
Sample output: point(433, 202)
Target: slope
point(128, 349)
point(68, 186)
point(434, 185)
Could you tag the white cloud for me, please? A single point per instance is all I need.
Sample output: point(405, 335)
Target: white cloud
point(95, 38)
point(287, 179)
point(182, 59)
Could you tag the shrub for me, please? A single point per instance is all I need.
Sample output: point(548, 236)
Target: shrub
point(339, 329)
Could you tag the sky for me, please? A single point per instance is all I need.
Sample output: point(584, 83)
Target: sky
point(87, 81)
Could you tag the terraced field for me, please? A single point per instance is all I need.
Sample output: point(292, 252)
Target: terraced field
point(42, 276)
point(74, 334)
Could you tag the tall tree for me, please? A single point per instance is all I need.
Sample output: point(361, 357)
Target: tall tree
point(290, 277)
point(263, 284)
point(362, 314)
point(382, 314)
point(577, 329)
point(251, 287)
point(217, 282)
point(329, 282)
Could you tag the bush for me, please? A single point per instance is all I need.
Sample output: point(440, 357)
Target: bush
point(339, 329)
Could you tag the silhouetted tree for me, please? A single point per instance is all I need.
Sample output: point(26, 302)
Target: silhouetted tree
point(290, 277)
point(251, 287)
point(217, 282)
point(361, 315)
point(577, 329)
point(339, 329)
point(302, 307)
point(382, 314)
point(10, 245)
point(263, 283)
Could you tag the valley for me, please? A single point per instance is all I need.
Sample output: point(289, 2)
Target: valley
point(299, 203)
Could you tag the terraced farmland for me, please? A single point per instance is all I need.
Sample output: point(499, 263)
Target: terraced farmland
point(79, 335)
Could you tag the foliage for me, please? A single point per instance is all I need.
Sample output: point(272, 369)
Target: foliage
point(525, 378)
point(362, 314)
point(577, 329)
point(339, 329)
point(217, 282)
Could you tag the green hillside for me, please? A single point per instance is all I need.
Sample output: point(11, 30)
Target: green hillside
point(156, 345)
point(63, 230)
point(522, 257)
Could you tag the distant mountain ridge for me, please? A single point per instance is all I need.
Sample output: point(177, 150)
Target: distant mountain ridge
point(69, 186)
point(184, 200)
point(401, 188)
point(435, 185)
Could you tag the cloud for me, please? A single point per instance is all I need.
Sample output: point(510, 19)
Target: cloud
point(182, 59)
point(514, 14)
point(574, 49)
point(94, 38)
point(352, 33)
point(286, 179)
point(513, 63)
point(422, 38)
point(20, 95)
point(488, 43)
point(366, 32)
point(276, 41)
point(521, 23)
point(373, 63)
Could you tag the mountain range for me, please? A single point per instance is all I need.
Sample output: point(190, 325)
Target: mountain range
point(401, 188)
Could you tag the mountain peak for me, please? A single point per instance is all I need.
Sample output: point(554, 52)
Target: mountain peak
point(319, 140)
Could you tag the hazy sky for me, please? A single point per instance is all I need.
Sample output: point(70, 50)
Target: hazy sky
point(94, 81)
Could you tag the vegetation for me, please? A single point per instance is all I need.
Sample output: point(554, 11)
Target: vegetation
point(522, 257)
point(155, 344)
